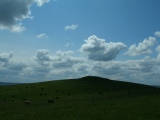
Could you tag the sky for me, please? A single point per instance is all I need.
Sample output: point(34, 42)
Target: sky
point(42, 40)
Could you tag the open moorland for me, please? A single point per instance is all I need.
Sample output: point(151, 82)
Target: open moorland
point(87, 98)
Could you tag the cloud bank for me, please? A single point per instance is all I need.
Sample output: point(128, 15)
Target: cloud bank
point(99, 61)
point(63, 65)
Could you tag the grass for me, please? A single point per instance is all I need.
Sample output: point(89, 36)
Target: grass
point(88, 98)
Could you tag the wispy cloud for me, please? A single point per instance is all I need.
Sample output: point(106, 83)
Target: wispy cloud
point(69, 44)
point(71, 27)
point(158, 48)
point(42, 35)
point(157, 33)
point(41, 2)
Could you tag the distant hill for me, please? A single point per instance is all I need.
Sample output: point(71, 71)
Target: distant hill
point(7, 84)
point(94, 83)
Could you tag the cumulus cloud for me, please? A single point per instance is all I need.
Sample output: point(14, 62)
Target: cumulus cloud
point(157, 33)
point(59, 60)
point(71, 27)
point(64, 59)
point(5, 57)
point(98, 49)
point(60, 65)
point(142, 48)
point(12, 12)
point(42, 57)
point(42, 35)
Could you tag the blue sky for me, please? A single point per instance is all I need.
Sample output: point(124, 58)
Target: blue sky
point(44, 40)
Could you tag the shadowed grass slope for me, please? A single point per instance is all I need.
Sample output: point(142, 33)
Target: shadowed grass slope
point(87, 98)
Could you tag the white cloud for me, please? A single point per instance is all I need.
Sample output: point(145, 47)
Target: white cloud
point(42, 57)
point(5, 57)
point(41, 2)
point(42, 35)
point(98, 49)
point(64, 59)
point(60, 60)
point(158, 48)
point(157, 33)
point(71, 27)
point(142, 48)
point(14, 11)
point(63, 54)
point(17, 28)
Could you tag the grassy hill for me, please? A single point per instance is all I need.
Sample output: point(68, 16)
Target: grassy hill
point(87, 98)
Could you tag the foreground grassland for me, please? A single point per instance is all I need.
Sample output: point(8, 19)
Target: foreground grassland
point(89, 98)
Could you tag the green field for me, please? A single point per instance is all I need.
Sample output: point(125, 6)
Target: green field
point(88, 98)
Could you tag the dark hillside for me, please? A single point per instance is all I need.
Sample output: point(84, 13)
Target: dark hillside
point(81, 99)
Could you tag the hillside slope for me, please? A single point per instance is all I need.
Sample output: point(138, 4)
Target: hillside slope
point(81, 99)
